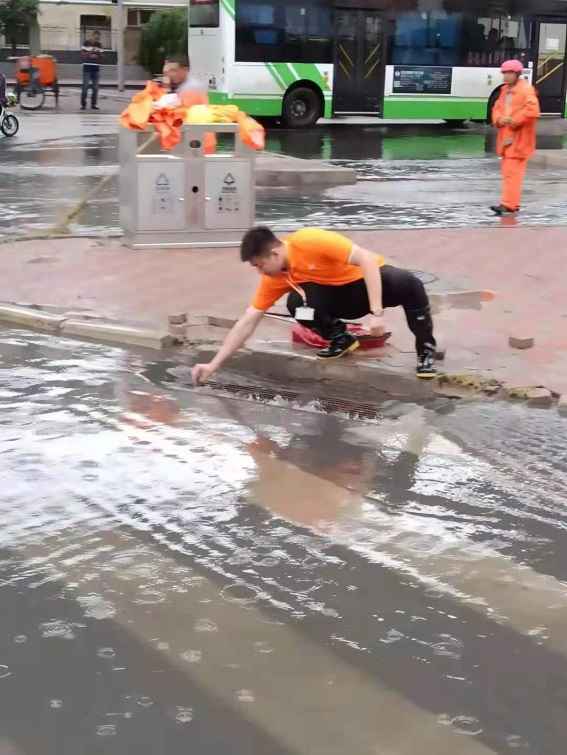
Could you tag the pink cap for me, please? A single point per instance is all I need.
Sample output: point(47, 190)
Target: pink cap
point(512, 66)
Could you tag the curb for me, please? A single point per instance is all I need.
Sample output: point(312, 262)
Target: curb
point(550, 158)
point(116, 333)
point(372, 381)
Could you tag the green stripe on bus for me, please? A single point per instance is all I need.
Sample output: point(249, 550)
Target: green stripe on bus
point(228, 5)
point(275, 74)
point(445, 109)
point(285, 73)
point(310, 72)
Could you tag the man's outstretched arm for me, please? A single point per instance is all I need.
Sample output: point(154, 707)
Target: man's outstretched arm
point(236, 338)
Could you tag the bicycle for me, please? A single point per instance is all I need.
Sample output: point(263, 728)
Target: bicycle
point(9, 124)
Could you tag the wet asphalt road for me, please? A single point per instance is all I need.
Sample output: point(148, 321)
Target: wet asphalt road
point(162, 591)
point(414, 176)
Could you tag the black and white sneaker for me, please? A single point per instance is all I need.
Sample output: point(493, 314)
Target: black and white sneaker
point(426, 369)
point(339, 347)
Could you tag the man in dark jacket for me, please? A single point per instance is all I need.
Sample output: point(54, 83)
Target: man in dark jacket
point(91, 54)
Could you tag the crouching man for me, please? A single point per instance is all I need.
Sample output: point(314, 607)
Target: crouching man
point(328, 279)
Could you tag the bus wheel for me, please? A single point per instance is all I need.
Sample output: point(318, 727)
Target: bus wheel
point(301, 108)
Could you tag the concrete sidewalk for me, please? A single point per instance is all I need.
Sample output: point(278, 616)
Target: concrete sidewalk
point(523, 266)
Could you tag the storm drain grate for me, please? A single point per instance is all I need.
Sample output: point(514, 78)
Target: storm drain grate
point(327, 404)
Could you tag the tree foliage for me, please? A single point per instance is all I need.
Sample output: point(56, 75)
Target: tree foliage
point(164, 35)
point(15, 14)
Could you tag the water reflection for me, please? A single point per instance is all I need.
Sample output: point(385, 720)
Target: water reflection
point(287, 581)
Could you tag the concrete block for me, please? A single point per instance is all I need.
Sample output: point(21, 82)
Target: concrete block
point(562, 405)
point(539, 397)
point(30, 317)
point(521, 342)
point(116, 333)
point(178, 332)
point(221, 322)
point(281, 171)
point(464, 299)
point(177, 319)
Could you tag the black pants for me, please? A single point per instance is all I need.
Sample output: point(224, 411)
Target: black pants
point(90, 78)
point(332, 304)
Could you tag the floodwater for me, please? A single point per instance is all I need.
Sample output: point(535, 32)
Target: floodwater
point(409, 177)
point(163, 592)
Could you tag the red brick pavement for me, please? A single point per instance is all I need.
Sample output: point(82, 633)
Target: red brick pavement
point(524, 266)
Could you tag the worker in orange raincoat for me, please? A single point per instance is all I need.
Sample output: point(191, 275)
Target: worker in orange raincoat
point(514, 114)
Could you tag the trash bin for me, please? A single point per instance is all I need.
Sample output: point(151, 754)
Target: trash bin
point(183, 197)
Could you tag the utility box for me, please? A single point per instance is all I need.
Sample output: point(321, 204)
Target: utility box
point(184, 197)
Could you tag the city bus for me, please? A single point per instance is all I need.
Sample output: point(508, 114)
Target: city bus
point(300, 60)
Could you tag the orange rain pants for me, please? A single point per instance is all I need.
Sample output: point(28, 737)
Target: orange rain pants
point(513, 172)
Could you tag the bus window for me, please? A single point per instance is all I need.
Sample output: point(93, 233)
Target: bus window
point(453, 39)
point(295, 31)
point(204, 13)
point(427, 39)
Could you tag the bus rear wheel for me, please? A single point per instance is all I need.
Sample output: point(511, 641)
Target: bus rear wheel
point(301, 108)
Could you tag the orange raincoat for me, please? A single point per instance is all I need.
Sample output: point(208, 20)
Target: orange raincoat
point(168, 121)
point(516, 141)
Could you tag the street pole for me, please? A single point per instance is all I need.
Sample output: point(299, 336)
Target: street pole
point(188, 30)
point(120, 46)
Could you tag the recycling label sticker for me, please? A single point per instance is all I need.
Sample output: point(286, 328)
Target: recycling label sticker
point(163, 196)
point(228, 199)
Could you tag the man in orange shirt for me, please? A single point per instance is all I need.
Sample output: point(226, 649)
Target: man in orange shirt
point(514, 114)
point(328, 279)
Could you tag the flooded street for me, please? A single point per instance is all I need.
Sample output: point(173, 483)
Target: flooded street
point(162, 592)
point(409, 176)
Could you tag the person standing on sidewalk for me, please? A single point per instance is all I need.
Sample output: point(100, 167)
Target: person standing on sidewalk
point(91, 54)
point(514, 114)
point(328, 279)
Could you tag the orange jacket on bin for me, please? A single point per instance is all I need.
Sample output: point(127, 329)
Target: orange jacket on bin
point(520, 103)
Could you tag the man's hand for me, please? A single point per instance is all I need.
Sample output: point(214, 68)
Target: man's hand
point(201, 373)
point(506, 121)
point(375, 325)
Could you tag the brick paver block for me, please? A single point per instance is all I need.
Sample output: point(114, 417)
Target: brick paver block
point(521, 342)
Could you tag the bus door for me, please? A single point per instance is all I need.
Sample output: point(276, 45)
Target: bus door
point(549, 77)
point(358, 84)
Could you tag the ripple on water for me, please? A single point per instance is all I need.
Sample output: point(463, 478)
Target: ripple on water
point(192, 656)
point(107, 730)
point(205, 625)
point(96, 607)
point(245, 696)
point(145, 702)
point(449, 647)
point(106, 652)
point(240, 594)
point(4, 671)
point(58, 628)
point(183, 715)
point(467, 725)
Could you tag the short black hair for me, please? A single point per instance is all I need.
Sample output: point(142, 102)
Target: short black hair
point(257, 242)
